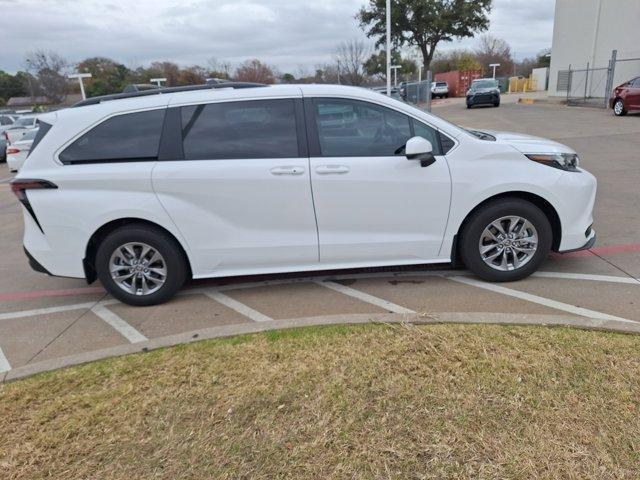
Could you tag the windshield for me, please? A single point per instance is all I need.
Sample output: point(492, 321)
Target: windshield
point(24, 122)
point(484, 84)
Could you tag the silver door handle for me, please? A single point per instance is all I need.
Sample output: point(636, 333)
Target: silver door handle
point(328, 169)
point(287, 170)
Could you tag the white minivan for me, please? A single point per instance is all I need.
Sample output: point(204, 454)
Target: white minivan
point(145, 190)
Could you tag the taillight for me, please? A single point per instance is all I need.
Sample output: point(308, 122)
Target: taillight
point(12, 151)
point(19, 187)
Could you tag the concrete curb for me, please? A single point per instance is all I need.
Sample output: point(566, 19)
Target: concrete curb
point(356, 319)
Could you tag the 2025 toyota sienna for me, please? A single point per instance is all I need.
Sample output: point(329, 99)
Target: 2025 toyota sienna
point(146, 190)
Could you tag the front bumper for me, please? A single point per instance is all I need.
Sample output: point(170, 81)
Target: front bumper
point(590, 243)
point(574, 205)
point(483, 99)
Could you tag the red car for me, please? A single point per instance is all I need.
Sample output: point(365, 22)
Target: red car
point(626, 97)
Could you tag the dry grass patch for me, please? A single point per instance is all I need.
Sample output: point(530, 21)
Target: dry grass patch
point(402, 402)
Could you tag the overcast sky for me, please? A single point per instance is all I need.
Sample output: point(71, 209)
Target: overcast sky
point(284, 33)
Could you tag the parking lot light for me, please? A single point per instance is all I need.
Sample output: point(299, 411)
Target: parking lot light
point(158, 81)
point(80, 76)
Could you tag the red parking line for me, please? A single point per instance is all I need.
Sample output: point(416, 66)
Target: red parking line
point(69, 292)
point(611, 250)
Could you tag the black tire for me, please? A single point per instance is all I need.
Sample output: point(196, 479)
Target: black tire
point(496, 104)
point(474, 227)
point(468, 106)
point(622, 111)
point(164, 244)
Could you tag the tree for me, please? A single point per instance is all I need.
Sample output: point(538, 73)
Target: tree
point(168, 70)
point(195, 75)
point(350, 57)
point(376, 65)
point(425, 23)
point(287, 78)
point(12, 85)
point(255, 71)
point(107, 76)
point(49, 69)
point(494, 50)
point(218, 69)
point(463, 60)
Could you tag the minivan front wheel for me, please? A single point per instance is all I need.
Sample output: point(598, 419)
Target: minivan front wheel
point(506, 240)
point(141, 265)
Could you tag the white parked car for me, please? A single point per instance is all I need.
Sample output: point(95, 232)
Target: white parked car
point(6, 121)
point(439, 89)
point(18, 151)
point(147, 191)
point(23, 124)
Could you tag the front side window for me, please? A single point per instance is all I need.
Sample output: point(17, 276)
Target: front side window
point(350, 128)
point(129, 137)
point(240, 130)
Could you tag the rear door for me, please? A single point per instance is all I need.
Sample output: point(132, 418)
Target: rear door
point(238, 186)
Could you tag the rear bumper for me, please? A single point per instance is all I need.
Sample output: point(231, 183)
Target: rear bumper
point(34, 264)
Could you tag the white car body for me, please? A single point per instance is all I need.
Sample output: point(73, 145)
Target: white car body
point(302, 213)
point(21, 126)
point(439, 89)
point(18, 151)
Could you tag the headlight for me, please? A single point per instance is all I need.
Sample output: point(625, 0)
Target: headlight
point(564, 161)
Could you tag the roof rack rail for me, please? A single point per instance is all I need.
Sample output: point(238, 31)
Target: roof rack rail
point(158, 91)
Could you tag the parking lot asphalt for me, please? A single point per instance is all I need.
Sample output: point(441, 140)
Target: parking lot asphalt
point(47, 323)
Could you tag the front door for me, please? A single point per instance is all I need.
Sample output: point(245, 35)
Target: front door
point(373, 205)
point(241, 195)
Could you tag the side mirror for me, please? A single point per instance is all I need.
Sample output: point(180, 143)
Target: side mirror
point(420, 149)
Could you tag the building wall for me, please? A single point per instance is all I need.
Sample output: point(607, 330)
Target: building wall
point(586, 31)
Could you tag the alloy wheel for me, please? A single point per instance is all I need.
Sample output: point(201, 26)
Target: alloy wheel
point(508, 243)
point(618, 108)
point(138, 268)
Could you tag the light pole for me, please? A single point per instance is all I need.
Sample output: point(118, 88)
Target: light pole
point(388, 13)
point(158, 81)
point(395, 74)
point(80, 76)
point(494, 65)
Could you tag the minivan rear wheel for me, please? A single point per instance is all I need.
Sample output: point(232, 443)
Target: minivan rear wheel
point(506, 240)
point(141, 265)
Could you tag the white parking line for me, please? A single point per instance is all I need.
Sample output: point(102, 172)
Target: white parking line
point(239, 307)
point(319, 280)
point(547, 302)
point(118, 324)
point(45, 311)
point(4, 363)
point(585, 276)
point(365, 297)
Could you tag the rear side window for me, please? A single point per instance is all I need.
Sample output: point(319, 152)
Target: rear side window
point(42, 131)
point(5, 121)
point(123, 138)
point(240, 130)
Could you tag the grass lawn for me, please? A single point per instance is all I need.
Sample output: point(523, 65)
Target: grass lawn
point(375, 401)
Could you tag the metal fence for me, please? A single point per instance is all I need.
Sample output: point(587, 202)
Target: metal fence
point(419, 93)
point(593, 85)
